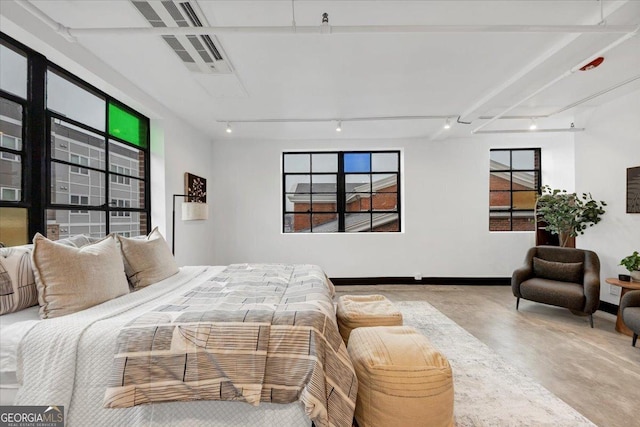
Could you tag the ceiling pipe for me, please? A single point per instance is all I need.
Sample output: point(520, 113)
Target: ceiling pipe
point(530, 130)
point(467, 115)
point(560, 77)
point(51, 23)
point(349, 29)
point(442, 117)
point(347, 119)
point(570, 106)
point(595, 95)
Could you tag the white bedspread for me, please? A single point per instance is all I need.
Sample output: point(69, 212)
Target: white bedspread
point(66, 361)
point(13, 327)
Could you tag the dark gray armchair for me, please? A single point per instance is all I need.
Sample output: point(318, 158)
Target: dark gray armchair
point(630, 309)
point(563, 277)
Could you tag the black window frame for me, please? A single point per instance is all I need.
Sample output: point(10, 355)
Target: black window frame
point(36, 154)
point(538, 184)
point(341, 193)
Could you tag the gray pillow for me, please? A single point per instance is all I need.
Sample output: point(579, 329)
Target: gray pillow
point(79, 240)
point(560, 271)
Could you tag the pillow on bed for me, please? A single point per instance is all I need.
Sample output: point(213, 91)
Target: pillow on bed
point(79, 240)
point(71, 279)
point(17, 284)
point(147, 261)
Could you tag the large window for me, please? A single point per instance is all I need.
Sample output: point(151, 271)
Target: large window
point(327, 192)
point(13, 152)
point(514, 186)
point(94, 153)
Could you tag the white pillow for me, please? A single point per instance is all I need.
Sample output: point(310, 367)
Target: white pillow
point(147, 261)
point(71, 279)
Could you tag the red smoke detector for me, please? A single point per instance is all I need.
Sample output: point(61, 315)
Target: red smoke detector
point(593, 64)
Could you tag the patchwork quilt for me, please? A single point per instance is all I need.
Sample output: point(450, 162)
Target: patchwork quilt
point(253, 333)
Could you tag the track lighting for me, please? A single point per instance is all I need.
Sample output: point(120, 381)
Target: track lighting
point(338, 122)
point(533, 125)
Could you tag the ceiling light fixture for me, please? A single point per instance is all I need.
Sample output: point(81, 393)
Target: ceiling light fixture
point(447, 124)
point(533, 125)
point(339, 127)
point(229, 130)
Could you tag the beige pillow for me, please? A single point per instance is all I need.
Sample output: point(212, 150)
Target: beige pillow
point(147, 261)
point(71, 279)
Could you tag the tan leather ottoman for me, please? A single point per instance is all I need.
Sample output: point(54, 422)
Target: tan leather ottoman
point(357, 311)
point(402, 380)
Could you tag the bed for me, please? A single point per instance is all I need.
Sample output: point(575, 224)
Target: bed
point(104, 368)
point(13, 327)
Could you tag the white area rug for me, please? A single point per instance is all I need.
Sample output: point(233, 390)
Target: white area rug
point(488, 391)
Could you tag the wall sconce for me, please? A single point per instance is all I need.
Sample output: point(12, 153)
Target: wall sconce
point(194, 211)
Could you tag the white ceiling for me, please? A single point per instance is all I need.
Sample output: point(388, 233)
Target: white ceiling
point(284, 76)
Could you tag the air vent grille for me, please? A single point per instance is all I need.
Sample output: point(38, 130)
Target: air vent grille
point(177, 47)
point(175, 13)
point(150, 15)
point(212, 47)
point(199, 53)
point(199, 48)
point(196, 23)
point(191, 14)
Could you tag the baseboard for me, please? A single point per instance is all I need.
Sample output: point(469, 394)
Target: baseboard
point(607, 307)
point(463, 281)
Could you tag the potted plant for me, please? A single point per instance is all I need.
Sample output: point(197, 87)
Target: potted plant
point(567, 214)
point(632, 263)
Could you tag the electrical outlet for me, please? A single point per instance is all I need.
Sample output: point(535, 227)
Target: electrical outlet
point(614, 290)
point(417, 276)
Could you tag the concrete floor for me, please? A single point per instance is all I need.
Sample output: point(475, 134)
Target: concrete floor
point(596, 371)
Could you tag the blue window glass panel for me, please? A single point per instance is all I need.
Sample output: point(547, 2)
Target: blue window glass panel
point(357, 162)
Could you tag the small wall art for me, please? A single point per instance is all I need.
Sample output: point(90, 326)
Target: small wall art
point(195, 187)
point(633, 190)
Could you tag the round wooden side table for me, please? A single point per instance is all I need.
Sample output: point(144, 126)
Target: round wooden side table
point(626, 287)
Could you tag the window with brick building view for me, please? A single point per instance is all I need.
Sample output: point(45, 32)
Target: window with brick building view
point(328, 192)
point(514, 186)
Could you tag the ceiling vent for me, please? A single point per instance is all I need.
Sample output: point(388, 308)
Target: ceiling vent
point(201, 54)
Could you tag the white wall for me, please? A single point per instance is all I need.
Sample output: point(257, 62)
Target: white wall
point(187, 150)
point(609, 146)
point(176, 147)
point(446, 213)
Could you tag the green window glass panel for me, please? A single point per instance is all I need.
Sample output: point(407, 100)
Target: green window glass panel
point(127, 126)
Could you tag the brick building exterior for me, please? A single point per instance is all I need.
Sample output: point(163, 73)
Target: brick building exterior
point(516, 191)
point(361, 199)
